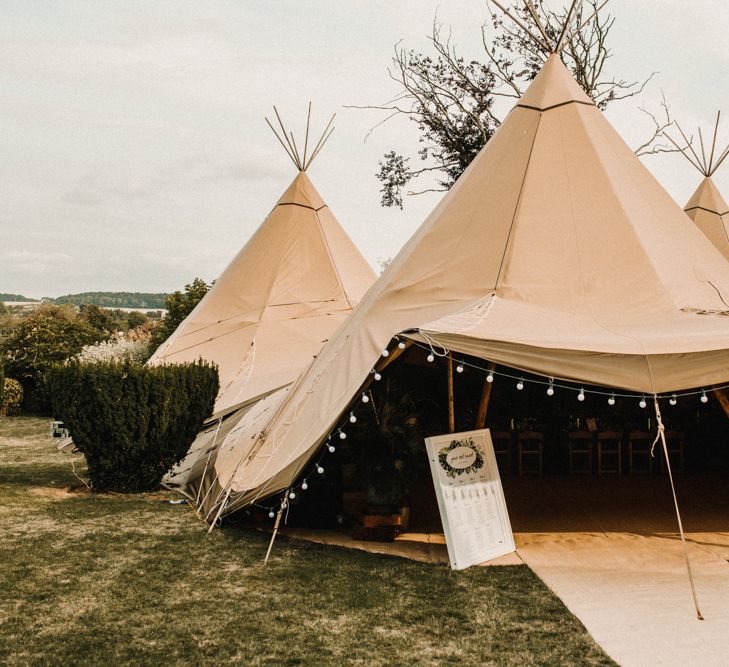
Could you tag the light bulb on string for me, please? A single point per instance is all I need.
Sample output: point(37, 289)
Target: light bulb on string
point(352, 418)
point(304, 485)
point(520, 384)
point(292, 495)
point(431, 357)
point(672, 400)
point(550, 389)
point(320, 469)
point(332, 449)
point(385, 353)
point(271, 514)
point(611, 400)
point(704, 398)
point(581, 395)
point(642, 402)
point(490, 377)
point(459, 368)
point(342, 435)
point(365, 398)
point(401, 344)
point(377, 376)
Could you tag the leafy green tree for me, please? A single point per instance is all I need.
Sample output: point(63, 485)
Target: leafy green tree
point(97, 317)
point(136, 319)
point(47, 336)
point(179, 305)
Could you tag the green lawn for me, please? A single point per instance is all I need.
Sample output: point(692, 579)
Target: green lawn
point(112, 580)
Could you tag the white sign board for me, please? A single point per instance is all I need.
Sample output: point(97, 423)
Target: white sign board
point(470, 497)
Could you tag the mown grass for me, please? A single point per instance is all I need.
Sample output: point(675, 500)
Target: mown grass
point(95, 579)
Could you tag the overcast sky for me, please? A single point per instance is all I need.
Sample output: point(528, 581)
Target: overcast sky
point(135, 155)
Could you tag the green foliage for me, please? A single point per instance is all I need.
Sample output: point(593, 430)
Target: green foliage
point(179, 305)
point(97, 317)
point(12, 398)
point(136, 319)
point(41, 339)
point(132, 422)
point(2, 385)
point(114, 299)
point(4, 296)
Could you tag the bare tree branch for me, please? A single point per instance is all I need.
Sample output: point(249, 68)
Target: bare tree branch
point(451, 99)
point(660, 124)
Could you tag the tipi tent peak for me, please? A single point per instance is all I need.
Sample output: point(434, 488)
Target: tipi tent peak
point(550, 39)
point(706, 207)
point(706, 162)
point(302, 161)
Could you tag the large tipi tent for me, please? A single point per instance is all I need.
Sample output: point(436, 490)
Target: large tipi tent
point(279, 300)
point(556, 252)
point(707, 208)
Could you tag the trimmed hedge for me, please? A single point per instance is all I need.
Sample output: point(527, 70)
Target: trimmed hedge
point(132, 422)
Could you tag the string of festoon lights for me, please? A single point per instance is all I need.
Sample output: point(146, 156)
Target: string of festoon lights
point(435, 351)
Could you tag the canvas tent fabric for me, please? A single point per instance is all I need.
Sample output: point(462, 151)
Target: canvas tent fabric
point(556, 252)
point(708, 209)
point(277, 302)
point(267, 316)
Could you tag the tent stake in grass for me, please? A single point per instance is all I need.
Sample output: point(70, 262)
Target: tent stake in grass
point(284, 504)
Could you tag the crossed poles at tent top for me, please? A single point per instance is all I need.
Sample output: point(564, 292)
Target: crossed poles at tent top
point(706, 165)
point(339, 433)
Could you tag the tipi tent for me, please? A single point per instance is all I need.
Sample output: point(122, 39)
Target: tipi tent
point(556, 252)
point(707, 207)
point(280, 299)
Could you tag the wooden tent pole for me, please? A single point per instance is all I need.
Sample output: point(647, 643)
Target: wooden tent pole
point(451, 405)
point(483, 406)
point(721, 396)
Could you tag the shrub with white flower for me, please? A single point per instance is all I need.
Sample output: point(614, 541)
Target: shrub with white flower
point(118, 348)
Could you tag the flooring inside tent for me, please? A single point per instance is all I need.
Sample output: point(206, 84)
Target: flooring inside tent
point(609, 548)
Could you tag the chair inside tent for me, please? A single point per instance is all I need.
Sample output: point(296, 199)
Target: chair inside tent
point(267, 316)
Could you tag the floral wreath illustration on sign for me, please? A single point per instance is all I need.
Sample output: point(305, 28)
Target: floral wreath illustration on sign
point(475, 456)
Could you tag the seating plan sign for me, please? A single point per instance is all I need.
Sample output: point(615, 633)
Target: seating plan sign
point(470, 497)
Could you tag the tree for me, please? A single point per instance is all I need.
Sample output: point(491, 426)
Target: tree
point(136, 319)
point(97, 317)
point(45, 337)
point(453, 101)
point(179, 305)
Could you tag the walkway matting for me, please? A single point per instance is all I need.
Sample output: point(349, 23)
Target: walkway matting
point(421, 547)
point(632, 592)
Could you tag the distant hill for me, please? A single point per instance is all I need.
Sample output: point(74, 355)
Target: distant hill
point(114, 299)
point(15, 297)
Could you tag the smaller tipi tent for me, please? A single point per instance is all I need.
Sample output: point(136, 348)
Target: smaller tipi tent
point(279, 299)
point(707, 208)
point(267, 316)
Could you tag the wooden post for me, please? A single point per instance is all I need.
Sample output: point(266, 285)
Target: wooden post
point(451, 406)
point(721, 396)
point(483, 406)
